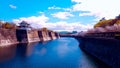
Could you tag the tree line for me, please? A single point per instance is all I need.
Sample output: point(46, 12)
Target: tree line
point(103, 22)
point(7, 25)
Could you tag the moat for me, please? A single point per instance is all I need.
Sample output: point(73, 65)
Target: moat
point(59, 53)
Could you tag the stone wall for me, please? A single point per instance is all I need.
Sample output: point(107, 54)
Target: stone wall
point(7, 37)
point(47, 35)
point(10, 36)
point(57, 35)
point(26, 36)
point(33, 36)
point(22, 36)
point(106, 50)
point(52, 35)
point(43, 35)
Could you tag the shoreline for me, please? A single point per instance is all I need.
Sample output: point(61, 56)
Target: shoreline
point(105, 49)
point(11, 37)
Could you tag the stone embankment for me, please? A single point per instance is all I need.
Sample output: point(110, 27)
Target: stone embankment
point(47, 35)
point(10, 36)
point(105, 49)
point(7, 37)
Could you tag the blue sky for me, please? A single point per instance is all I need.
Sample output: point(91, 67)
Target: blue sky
point(26, 8)
point(58, 14)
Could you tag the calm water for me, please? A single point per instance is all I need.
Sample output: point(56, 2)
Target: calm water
point(60, 53)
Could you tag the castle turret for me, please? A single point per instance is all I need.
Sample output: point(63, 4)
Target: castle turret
point(24, 25)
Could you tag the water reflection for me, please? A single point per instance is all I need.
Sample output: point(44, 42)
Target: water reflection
point(25, 49)
point(7, 53)
point(88, 61)
point(60, 53)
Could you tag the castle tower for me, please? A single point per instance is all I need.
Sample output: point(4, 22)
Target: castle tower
point(24, 26)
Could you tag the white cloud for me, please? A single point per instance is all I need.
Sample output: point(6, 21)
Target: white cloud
point(12, 6)
point(98, 8)
point(42, 21)
point(67, 9)
point(77, 1)
point(62, 15)
point(54, 7)
point(42, 13)
point(86, 14)
point(59, 8)
point(65, 26)
point(33, 20)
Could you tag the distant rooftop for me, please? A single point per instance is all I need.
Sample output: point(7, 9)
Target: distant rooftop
point(24, 25)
